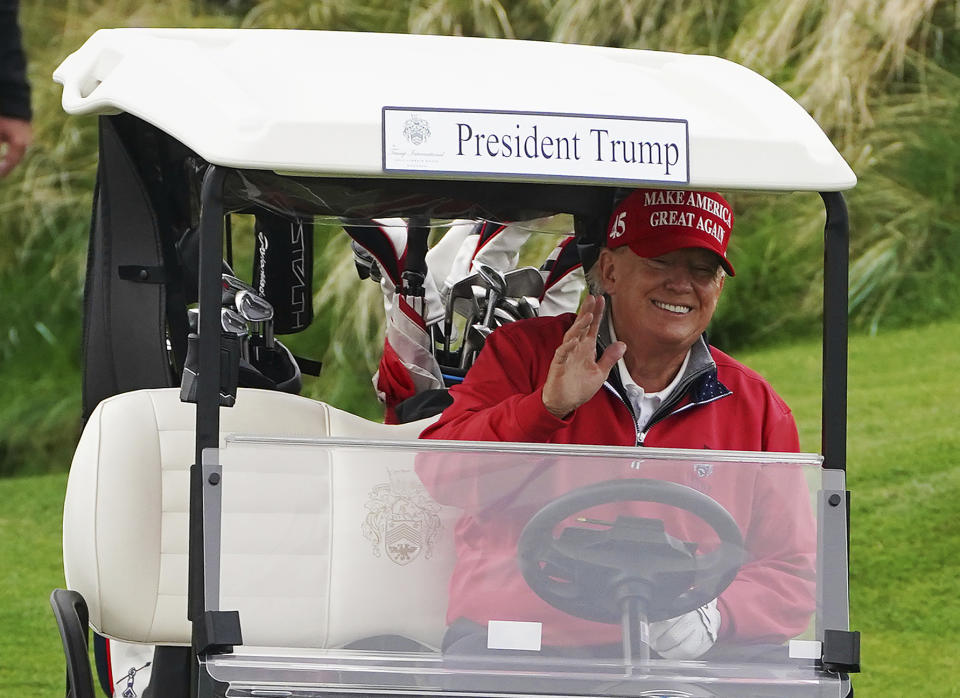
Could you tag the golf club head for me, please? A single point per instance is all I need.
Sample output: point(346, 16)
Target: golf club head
point(460, 290)
point(496, 287)
point(252, 307)
point(525, 281)
point(476, 337)
point(230, 281)
point(502, 316)
point(467, 308)
point(477, 334)
point(231, 285)
point(463, 288)
point(493, 278)
point(480, 299)
point(509, 307)
point(232, 322)
point(529, 307)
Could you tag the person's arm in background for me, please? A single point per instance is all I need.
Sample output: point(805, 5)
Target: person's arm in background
point(16, 133)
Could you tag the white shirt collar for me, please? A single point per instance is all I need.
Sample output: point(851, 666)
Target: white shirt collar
point(644, 404)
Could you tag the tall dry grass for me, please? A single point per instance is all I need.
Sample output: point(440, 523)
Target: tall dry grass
point(45, 207)
point(880, 77)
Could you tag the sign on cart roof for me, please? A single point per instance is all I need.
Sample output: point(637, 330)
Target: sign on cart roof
point(391, 105)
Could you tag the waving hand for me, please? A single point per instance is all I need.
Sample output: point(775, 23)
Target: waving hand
point(575, 373)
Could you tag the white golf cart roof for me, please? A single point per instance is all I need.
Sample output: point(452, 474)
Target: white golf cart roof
point(432, 107)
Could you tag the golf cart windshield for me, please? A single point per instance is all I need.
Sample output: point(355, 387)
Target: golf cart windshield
point(338, 556)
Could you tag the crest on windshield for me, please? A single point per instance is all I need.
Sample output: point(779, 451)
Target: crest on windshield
point(416, 130)
point(402, 520)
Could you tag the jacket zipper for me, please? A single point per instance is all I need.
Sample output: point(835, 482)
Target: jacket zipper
point(633, 418)
point(663, 412)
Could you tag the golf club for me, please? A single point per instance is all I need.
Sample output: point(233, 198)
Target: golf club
point(529, 307)
point(460, 290)
point(231, 286)
point(525, 281)
point(258, 311)
point(233, 323)
point(497, 286)
point(476, 335)
point(469, 308)
point(502, 316)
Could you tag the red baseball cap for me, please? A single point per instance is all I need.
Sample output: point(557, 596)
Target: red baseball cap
point(653, 222)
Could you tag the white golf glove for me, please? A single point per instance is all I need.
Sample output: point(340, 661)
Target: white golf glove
point(687, 636)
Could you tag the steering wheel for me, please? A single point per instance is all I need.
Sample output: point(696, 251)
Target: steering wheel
point(592, 573)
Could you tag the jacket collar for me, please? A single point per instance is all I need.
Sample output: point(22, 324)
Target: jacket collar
point(699, 384)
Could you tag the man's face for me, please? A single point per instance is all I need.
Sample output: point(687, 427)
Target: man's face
point(666, 301)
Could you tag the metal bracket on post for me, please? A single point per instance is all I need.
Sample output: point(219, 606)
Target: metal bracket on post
point(841, 651)
point(215, 631)
point(840, 646)
point(230, 352)
point(212, 473)
point(832, 580)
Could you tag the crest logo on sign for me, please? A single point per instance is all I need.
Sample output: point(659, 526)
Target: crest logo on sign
point(416, 130)
point(402, 520)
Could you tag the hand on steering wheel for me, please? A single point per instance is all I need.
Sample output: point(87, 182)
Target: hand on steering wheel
point(688, 636)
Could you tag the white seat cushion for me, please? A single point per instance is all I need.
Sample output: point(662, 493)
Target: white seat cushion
point(297, 561)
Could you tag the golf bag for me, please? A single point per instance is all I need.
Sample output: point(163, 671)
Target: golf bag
point(141, 276)
point(425, 349)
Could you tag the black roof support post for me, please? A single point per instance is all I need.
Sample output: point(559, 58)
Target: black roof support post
point(210, 287)
point(208, 383)
point(841, 647)
point(836, 258)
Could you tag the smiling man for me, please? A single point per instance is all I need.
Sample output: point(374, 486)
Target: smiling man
point(633, 368)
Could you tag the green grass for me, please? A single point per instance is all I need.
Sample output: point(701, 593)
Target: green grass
point(903, 473)
point(31, 657)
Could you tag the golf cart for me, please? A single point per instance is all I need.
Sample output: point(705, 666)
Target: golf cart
point(279, 546)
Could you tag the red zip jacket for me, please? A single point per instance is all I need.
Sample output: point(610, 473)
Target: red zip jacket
point(726, 407)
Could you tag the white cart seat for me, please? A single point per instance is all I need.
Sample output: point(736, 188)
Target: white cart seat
point(125, 530)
